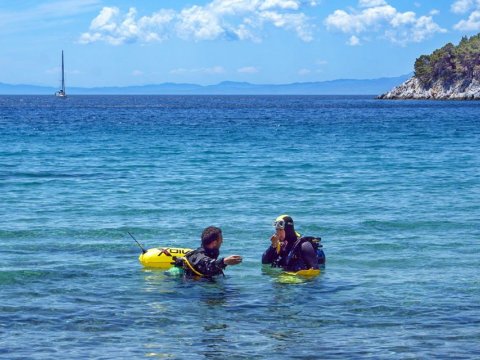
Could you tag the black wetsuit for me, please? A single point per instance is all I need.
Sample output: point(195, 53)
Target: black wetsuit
point(205, 262)
point(297, 255)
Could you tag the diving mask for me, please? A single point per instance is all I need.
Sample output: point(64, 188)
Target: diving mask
point(280, 224)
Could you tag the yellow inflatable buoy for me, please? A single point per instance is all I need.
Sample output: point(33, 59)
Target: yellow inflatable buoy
point(297, 277)
point(304, 273)
point(161, 258)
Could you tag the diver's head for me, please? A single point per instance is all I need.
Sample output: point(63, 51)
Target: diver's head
point(284, 228)
point(212, 237)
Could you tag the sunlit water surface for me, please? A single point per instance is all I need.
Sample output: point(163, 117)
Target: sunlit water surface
point(392, 188)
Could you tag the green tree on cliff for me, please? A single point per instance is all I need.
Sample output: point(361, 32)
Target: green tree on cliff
point(451, 63)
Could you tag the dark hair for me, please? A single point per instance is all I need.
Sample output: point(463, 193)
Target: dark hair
point(210, 234)
point(290, 234)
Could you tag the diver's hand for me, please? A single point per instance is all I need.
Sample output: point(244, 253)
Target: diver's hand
point(232, 260)
point(275, 241)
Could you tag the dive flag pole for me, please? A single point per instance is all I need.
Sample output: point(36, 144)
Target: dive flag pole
point(141, 247)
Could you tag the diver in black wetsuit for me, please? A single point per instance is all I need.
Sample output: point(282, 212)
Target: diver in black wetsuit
point(204, 261)
point(291, 251)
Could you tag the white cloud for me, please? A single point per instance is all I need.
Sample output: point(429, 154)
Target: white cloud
point(179, 71)
point(111, 27)
point(105, 20)
point(229, 19)
point(471, 24)
point(199, 23)
point(294, 22)
point(215, 70)
point(304, 72)
point(462, 6)
point(371, 3)
point(353, 41)
point(359, 22)
point(137, 73)
point(378, 16)
point(87, 38)
point(248, 70)
point(209, 71)
point(405, 18)
point(282, 4)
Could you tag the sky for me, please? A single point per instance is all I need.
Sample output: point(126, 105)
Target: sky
point(126, 42)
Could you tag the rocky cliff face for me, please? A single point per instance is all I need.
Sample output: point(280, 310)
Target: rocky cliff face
point(413, 89)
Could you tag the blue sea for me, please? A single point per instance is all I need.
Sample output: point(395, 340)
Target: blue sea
point(392, 188)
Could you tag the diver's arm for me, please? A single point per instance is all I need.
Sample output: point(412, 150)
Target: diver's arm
point(207, 265)
point(211, 267)
point(270, 255)
point(232, 260)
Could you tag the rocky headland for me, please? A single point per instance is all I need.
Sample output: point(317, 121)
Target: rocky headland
point(449, 73)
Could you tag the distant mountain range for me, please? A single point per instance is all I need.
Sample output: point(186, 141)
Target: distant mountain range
point(334, 87)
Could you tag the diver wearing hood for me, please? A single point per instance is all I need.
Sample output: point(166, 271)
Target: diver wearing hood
point(290, 250)
point(204, 261)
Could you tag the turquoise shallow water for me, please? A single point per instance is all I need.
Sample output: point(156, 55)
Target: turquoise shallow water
point(392, 187)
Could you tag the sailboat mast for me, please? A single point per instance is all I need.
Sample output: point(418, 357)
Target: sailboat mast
point(63, 75)
point(61, 93)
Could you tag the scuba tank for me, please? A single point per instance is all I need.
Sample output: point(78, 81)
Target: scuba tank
point(294, 261)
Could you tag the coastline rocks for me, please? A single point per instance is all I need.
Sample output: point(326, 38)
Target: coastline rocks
point(413, 89)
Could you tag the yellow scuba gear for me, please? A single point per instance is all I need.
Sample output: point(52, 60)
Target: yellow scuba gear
point(279, 245)
point(185, 261)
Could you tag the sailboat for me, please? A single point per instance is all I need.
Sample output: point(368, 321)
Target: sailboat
point(61, 93)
